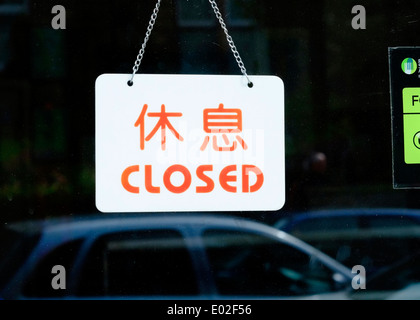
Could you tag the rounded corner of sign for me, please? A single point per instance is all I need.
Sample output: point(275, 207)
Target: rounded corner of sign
point(279, 205)
point(100, 78)
point(101, 208)
point(278, 79)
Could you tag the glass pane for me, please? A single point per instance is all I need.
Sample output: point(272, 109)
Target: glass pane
point(325, 224)
point(392, 222)
point(13, 7)
point(199, 54)
point(4, 41)
point(195, 13)
point(14, 250)
point(241, 12)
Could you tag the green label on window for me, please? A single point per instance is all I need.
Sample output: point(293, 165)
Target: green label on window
point(411, 108)
point(411, 100)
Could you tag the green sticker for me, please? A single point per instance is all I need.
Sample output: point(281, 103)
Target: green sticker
point(411, 108)
point(411, 100)
point(412, 138)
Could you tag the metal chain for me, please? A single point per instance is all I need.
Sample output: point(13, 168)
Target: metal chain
point(146, 38)
point(230, 40)
point(222, 24)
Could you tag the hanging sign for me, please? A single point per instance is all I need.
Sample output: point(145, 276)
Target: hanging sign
point(404, 65)
point(189, 143)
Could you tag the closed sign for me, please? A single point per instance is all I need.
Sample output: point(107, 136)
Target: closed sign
point(189, 143)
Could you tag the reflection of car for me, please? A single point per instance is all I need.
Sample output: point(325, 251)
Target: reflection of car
point(152, 256)
point(372, 237)
point(400, 281)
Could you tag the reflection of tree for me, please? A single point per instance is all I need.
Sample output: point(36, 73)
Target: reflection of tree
point(52, 183)
point(52, 191)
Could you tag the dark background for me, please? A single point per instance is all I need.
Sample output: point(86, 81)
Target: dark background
point(336, 83)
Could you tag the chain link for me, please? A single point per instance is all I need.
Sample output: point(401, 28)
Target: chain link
point(229, 39)
point(146, 38)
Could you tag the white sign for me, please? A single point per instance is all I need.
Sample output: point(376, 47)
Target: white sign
point(189, 143)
